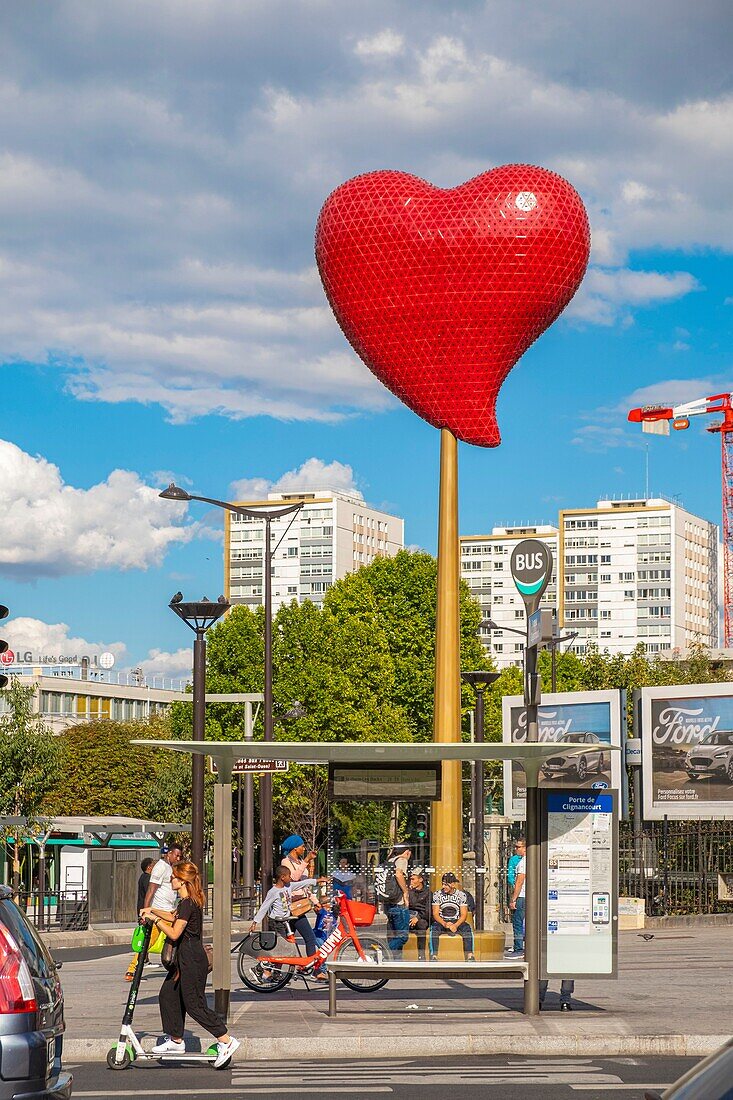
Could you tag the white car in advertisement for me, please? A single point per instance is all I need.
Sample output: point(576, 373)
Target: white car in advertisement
point(592, 760)
point(712, 755)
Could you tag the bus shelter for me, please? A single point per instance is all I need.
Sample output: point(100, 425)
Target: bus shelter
point(102, 831)
point(531, 756)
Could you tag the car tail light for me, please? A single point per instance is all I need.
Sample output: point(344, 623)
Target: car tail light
point(16, 985)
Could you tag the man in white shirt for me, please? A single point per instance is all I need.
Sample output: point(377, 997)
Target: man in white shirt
point(160, 894)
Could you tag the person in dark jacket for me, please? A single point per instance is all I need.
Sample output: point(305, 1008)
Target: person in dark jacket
point(419, 904)
point(142, 888)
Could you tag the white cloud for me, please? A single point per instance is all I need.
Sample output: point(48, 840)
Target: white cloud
point(605, 294)
point(314, 473)
point(163, 218)
point(386, 43)
point(603, 437)
point(55, 639)
point(53, 529)
point(159, 663)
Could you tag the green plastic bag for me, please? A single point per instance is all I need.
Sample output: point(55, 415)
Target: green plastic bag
point(138, 939)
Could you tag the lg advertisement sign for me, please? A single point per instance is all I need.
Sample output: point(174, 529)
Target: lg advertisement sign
point(595, 719)
point(687, 750)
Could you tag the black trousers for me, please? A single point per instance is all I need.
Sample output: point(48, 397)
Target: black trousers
point(184, 993)
point(464, 931)
point(421, 932)
point(303, 926)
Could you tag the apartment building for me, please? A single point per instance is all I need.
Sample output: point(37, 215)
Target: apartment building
point(642, 570)
point(333, 534)
point(485, 568)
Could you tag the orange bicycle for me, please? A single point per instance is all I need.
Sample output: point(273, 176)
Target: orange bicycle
point(268, 973)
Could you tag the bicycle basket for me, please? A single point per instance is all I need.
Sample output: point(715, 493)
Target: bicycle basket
point(362, 915)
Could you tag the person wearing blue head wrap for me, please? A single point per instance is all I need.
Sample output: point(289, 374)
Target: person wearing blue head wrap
point(301, 867)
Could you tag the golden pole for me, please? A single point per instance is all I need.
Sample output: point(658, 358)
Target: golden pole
point(446, 843)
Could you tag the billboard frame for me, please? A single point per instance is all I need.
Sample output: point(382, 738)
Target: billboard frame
point(675, 811)
point(616, 699)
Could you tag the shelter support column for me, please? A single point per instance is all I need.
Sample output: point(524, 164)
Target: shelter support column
point(222, 975)
point(447, 815)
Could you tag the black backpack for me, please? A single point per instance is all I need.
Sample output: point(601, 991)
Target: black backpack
point(386, 884)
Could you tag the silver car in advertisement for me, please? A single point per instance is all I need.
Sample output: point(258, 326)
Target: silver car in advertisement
point(592, 760)
point(713, 755)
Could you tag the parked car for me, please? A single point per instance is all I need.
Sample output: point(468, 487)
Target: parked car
point(711, 1079)
point(712, 754)
point(594, 759)
point(31, 1012)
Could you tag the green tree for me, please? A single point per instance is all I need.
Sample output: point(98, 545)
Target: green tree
point(29, 755)
point(102, 773)
point(405, 597)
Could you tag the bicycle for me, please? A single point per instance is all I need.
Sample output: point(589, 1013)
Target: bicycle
point(269, 973)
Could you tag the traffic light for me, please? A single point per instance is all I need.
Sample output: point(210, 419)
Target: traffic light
point(422, 825)
point(3, 644)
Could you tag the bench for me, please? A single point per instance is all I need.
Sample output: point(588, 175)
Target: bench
point(443, 971)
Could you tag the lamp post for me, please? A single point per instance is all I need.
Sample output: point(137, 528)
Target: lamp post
point(479, 681)
point(555, 641)
point(174, 492)
point(199, 616)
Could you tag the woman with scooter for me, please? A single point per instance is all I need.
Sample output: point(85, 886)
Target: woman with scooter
point(184, 989)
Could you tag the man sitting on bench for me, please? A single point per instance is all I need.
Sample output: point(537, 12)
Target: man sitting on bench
point(450, 910)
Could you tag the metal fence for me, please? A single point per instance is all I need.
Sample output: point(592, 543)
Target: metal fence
point(674, 865)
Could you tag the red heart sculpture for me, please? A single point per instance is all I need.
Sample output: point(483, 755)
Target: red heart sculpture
point(441, 291)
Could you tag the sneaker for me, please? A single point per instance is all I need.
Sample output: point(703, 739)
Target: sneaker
point(514, 954)
point(471, 958)
point(226, 1050)
point(169, 1046)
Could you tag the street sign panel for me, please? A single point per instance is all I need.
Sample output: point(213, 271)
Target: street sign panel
point(531, 568)
point(579, 873)
point(246, 765)
point(534, 628)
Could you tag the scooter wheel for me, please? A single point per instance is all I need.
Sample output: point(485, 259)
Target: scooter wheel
point(112, 1059)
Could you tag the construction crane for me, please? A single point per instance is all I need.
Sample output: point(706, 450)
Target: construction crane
point(656, 419)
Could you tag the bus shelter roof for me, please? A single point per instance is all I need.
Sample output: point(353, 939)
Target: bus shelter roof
point(109, 826)
point(530, 756)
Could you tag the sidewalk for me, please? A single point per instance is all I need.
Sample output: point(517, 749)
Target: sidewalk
point(672, 996)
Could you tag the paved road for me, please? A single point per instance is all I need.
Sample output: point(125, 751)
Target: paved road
point(406, 1079)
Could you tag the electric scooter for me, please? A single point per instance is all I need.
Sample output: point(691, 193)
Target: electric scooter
point(128, 1048)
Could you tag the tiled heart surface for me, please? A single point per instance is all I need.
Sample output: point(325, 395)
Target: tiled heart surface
point(441, 291)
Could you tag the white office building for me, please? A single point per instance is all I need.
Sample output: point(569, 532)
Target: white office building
point(485, 568)
point(335, 533)
point(642, 570)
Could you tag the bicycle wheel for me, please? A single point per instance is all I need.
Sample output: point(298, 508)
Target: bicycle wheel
point(374, 951)
point(261, 978)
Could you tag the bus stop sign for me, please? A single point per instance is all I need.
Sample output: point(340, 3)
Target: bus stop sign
point(531, 567)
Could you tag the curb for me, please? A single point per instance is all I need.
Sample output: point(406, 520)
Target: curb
point(113, 937)
point(364, 1047)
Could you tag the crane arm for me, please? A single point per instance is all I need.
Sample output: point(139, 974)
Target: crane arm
point(702, 406)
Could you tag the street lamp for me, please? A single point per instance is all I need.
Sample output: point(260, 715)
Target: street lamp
point(552, 645)
point(479, 681)
point(199, 616)
point(174, 492)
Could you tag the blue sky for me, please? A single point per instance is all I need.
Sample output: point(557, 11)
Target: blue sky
point(161, 168)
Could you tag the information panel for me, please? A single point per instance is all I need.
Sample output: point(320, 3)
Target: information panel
point(579, 888)
point(594, 719)
point(687, 751)
point(399, 783)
